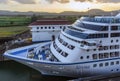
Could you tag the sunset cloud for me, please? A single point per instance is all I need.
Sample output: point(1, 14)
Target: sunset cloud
point(19, 1)
point(58, 5)
point(25, 1)
point(3, 1)
point(84, 0)
point(109, 1)
point(59, 1)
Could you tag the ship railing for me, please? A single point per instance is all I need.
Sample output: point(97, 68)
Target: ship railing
point(101, 20)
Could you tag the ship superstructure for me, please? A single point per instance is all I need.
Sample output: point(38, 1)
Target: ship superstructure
point(90, 47)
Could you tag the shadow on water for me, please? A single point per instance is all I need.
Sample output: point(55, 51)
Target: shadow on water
point(13, 71)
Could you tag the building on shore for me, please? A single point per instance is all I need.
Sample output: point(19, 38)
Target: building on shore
point(47, 29)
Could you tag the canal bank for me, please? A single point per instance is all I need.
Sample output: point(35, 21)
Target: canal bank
point(12, 42)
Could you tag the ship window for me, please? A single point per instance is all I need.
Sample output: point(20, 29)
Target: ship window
point(45, 27)
point(60, 40)
point(71, 47)
point(53, 27)
point(88, 50)
point(106, 64)
point(103, 35)
point(104, 28)
point(64, 54)
point(116, 54)
point(94, 56)
point(65, 43)
point(37, 27)
point(112, 63)
point(117, 62)
point(105, 47)
point(60, 27)
point(116, 46)
point(59, 50)
point(100, 41)
point(115, 34)
point(117, 40)
point(41, 27)
point(101, 48)
point(81, 57)
point(111, 41)
point(101, 64)
point(94, 65)
point(55, 46)
point(49, 27)
point(117, 70)
point(101, 56)
point(114, 27)
point(94, 49)
point(112, 54)
point(106, 55)
point(88, 57)
point(112, 47)
point(92, 27)
point(84, 35)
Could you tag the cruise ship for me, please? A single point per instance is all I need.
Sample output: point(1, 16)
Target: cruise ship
point(90, 47)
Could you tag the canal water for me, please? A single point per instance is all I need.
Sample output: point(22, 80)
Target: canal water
point(14, 71)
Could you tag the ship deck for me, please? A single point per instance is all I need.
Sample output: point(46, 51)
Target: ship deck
point(37, 52)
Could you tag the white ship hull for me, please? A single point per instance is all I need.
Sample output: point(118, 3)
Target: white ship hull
point(80, 69)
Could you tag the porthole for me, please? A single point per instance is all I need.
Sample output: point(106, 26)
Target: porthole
point(49, 27)
point(100, 41)
point(117, 69)
point(45, 27)
point(41, 27)
point(53, 27)
point(37, 27)
point(117, 40)
point(88, 57)
point(81, 57)
point(111, 41)
point(60, 27)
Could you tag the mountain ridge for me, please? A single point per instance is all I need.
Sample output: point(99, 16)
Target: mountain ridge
point(90, 12)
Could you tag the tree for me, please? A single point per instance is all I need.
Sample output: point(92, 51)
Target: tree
point(33, 18)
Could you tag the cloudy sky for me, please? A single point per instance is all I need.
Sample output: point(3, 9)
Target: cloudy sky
point(58, 5)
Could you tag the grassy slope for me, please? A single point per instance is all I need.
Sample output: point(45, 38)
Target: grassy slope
point(14, 21)
point(9, 31)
